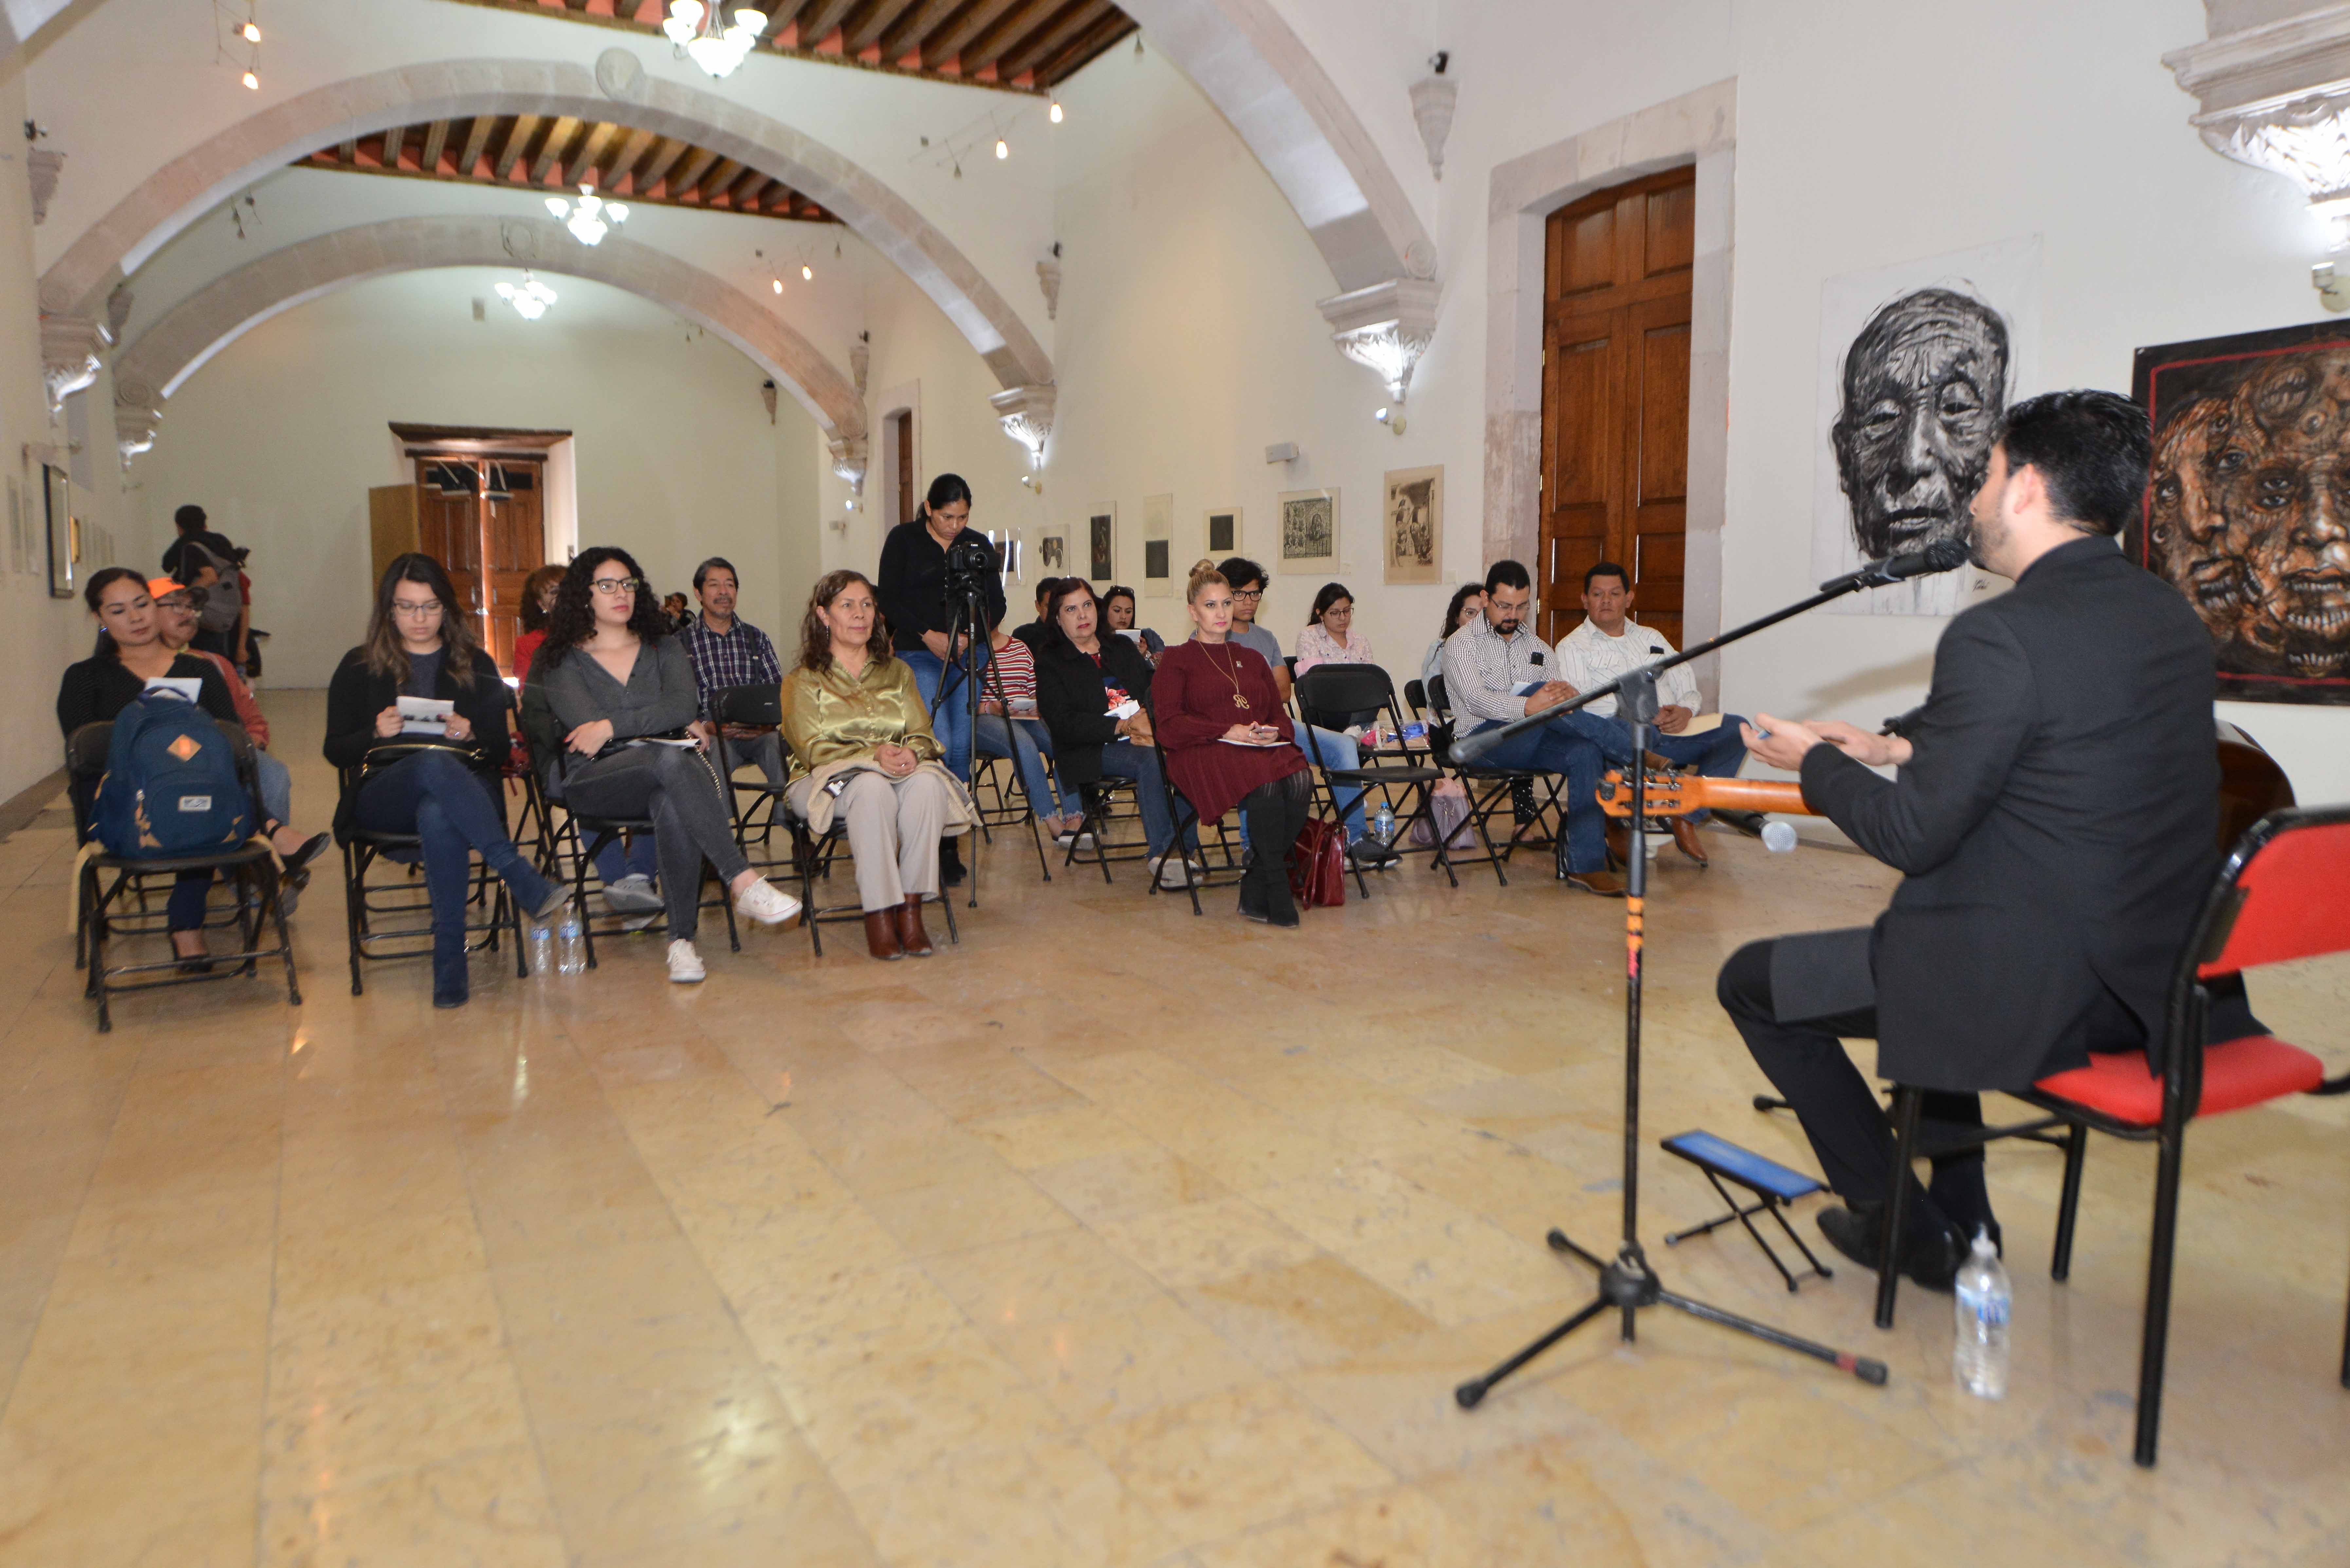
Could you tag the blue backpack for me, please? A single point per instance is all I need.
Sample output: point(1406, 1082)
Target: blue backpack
point(171, 787)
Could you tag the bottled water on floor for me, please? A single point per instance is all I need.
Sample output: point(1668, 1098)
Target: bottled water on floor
point(1978, 1360)
point(541, 938)
point(1778, 837)
point(570, 946)
point(1383, 824)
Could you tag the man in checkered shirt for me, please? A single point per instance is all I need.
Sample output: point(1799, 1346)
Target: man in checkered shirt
point(730, 652)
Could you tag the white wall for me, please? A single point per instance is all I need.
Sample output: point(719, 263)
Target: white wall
point(281, 435)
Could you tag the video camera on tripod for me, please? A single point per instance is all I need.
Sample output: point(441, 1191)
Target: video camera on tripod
point(970, 565)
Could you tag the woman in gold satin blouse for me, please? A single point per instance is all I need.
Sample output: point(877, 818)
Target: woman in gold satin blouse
point(861, 744)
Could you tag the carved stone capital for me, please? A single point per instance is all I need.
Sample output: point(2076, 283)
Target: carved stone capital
point(1027, 413)
point(860, 361)
point(1048, 279)
point(42, 167)
point(69, 345)
point(1386, 327)
point(1432, 101)
point(2276, 95)
point(134, 428)
point(849, 460)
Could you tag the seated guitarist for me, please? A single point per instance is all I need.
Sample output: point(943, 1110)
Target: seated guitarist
point(2054, 810)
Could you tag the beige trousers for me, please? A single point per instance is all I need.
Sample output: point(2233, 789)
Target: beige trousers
point(893, 832)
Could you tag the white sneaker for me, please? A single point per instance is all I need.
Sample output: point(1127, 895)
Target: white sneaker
point(684, 964)
point(1170, 869)
point(1072, 840)
point(767, 904)
point(632, 895)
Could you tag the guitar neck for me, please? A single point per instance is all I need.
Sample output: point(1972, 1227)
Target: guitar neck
point(1783, 795)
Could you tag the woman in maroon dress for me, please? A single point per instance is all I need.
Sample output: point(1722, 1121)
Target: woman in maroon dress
point(1227, 740)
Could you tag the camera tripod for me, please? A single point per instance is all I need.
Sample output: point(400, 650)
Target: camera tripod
point(968, 667)
point(1628, 1282)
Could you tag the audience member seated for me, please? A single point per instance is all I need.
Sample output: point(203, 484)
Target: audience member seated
point(1118, 612)
point(537, 604)
point(621, 689)
point(1227, 737)
point(175, 624)
point(1033, 632)
point(1467, 601)
point(131, 652)
point(1609, 644)
point(1329, 637)
point(627, 866)
point(676, 614)
point(1085, 681)
point(448, 795)
point(1324, 746)
point(727, 652)
point(1009, 727)
point(1486, 662)
point(862, 744)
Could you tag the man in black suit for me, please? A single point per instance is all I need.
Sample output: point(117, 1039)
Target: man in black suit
point(2055, 812)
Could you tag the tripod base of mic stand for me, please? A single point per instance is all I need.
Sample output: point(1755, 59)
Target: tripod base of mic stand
point(1628, 1284)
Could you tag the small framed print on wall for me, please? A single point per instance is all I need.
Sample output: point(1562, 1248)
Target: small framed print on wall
point(1101, 543)
point(1411, 525)
point(1053, 552)
point(1223, 532)
point(1158, 546)
point(1309, 532)
point(64, 532)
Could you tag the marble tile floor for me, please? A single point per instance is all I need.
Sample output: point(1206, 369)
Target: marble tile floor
point(1110, 1237)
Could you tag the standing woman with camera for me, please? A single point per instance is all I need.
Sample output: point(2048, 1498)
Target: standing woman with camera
point(914, 578)
point(619, 687)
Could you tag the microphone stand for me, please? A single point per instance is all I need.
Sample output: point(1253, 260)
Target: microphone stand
point(1628, 1282)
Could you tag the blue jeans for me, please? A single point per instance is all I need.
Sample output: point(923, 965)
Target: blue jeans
point(639, 857)
point(1559, 747)
point(1027, 743)
point(446, 803)
point(274, 783)
point(1716, 754)
point(951, 724)
point(1329, 749)
point(1125, 760)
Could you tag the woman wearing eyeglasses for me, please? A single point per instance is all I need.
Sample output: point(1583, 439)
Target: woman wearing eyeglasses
point(418, 644)
point(622, 691)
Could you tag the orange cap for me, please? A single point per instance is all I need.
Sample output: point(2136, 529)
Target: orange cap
point(157, 587)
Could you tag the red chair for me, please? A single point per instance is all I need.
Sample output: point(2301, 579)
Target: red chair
point(2283, 894)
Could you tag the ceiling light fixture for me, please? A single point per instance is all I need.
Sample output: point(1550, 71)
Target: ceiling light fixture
point(1002, 149)
point(591, 218)
point(252, 81)
point(529, 297)
point(808, 273)
point(704, 36)
point(1054, 113)
point(251, 33)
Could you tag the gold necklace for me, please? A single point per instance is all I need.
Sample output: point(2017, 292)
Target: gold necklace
point(1233, 676)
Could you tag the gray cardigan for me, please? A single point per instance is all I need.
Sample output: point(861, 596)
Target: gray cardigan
point(661, 695)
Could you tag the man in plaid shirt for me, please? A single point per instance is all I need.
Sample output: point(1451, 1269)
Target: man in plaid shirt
point(730, 652)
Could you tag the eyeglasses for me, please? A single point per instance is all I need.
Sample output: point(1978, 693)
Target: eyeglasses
point(615, 586)
point(1250, 593)
point(402, 607)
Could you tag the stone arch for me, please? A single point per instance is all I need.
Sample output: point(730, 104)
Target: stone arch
point(198, 180)
point(153, 366)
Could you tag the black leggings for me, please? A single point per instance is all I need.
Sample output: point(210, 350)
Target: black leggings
point(1276, 812)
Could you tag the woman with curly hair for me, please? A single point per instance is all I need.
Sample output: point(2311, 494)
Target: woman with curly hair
point(622, 691)
point(862, 743)
point(537, 604)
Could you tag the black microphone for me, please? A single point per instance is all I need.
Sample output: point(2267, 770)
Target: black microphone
point(1941, 556)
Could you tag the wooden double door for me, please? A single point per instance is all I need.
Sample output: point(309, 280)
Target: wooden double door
point(483, 520)
point(1615, 398)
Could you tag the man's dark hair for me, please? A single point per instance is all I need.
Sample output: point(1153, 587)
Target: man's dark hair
point(702, 571)
point(189, 519)
point(1507, 575)
point(1240, 571)
point(2091, 449)
point(1608, 569)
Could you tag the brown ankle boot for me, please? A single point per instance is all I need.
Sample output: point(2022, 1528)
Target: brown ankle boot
point(881, 934)
point(910, 935)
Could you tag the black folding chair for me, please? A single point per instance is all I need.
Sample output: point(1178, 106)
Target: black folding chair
point(1490, 788)
point(105, 879)
point(755, 804)
point(1349, 688)
point(815, 855)
point(365, 905)
point(1186, 818)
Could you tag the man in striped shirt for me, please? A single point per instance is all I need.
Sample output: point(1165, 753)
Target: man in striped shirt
point(727, 652)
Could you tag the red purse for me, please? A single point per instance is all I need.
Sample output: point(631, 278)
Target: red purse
point(1317, 865)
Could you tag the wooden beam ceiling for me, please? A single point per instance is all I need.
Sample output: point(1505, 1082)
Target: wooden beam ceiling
point(531, 153)
point(1022, 45)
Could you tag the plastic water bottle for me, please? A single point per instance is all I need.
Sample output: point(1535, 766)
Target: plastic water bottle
point(1383, 823)
point(570, 946)
point(1778, 837)
point(1978, 1360)
point(541, 937)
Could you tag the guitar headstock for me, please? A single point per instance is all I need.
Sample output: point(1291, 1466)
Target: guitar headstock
point(1664, 794)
